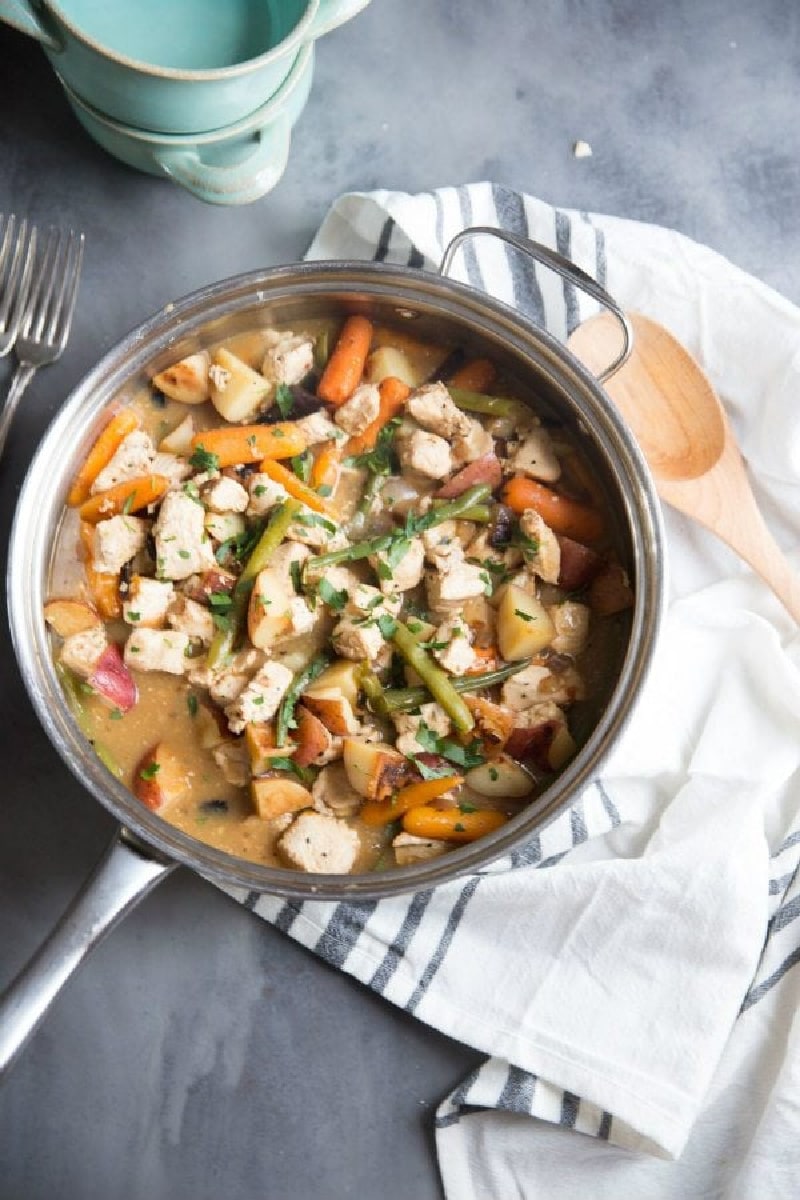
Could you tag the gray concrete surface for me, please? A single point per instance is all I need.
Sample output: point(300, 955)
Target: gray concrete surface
point(199, 1053)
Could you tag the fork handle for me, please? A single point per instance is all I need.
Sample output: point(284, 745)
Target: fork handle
point(22, 377)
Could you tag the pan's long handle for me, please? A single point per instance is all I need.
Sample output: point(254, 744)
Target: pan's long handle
point(124, 875)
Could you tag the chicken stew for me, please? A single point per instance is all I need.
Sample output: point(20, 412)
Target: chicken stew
point(334, 598)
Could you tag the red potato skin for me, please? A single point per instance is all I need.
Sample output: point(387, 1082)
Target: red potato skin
point(579, 564)
point(610, 591)
point(486, 469)
point(533, 744)
point(112, 680)
point(312, 737)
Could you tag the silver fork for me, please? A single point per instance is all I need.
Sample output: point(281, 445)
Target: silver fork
point(45, 325)
point(17, 250)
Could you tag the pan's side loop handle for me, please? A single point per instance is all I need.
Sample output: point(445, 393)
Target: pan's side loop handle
point(124, 875)
point(563, 267)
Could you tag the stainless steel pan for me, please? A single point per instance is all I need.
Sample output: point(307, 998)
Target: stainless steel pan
point(146, 848)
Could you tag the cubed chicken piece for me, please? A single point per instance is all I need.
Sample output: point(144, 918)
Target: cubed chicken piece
point(264, 494)
point(312, 529)
point(356, 641)
point(157, 650)
point(225, 495)
point(357, 413)
point(131, 460)
point(225, 685)
point(115, 542)
point(333, 794)
point(182, 547)
point(433, 408)
point(545, 560)
point(191, 618)
point(536, 457)
point(320, 844)
point(366, 600)
point(301, 617)
point(442, 543)
point(400, 574)
point(318, 427)
point(174, 468)
point(473, 443)
point(456, 656)
point(480, 550)
point(523, 690)
point(223, 526)
point(456, 581)
point(408, 725)
point(81, 652)
point(147, 601)
point(341, 579)
point(290, 359)
point(426, 453)
point(408, 848)
point(259, 700)
point(571, 621)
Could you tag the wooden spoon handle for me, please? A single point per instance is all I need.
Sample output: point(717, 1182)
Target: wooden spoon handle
point(723, 501)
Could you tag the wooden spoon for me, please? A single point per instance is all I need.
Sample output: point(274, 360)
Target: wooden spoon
point(683, 432)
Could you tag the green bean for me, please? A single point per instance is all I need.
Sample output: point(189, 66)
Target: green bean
point(372, 688)
point(71, 686)
point(435, 679)
point(230, 626)
point(406, 699)
point(490, 406)
point(285, 718)
point(480, 513)
point(108, 760)
point(448, 511)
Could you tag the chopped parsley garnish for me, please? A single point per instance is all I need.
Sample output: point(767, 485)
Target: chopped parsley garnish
point(386, 624)
point(191, 490)
point(240, 546)
point(204, 460)
point(222, 621)
point(467, 808)
point(133, 616)
point(252, 441)
point(382, 459)
point(454, 752)
point(301, 464)
point(459, 828)
point(392, 556)
point(296, 572)
point(259, 489)
point(324, 489)
point(522, 615)
point(494, 774)
point(184, 554)
point(150, 772)
point(115, 714)
point(330, 596)
point(128, 505)
point(528, 546)
point(221, 602)
point(284, 399)
point(431, 772)
point(191, 704)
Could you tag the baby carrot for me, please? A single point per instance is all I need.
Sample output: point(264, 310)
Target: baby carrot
point(126, 497)
point(452, 824)
point(563, 515)
point(325, 471)
point(393, 395)
point(231, 445)
point(381, 812)
point(295, 487)
point(101, 453)
point(103, 588)
point(475, 376)
point(345, 366)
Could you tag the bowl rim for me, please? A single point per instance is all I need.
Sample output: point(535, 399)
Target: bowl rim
point(187, 74)
point(355, 284)
point(258, 118)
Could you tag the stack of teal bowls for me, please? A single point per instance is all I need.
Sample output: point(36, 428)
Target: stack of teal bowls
point(204, 92)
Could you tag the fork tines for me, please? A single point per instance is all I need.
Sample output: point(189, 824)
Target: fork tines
point(17, 253)
point(55, 288)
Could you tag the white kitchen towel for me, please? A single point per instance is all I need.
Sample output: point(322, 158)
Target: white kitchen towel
point(628, 971)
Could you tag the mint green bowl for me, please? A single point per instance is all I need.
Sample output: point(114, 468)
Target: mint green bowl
point(176, 66)
point(234, 165)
